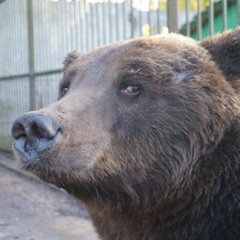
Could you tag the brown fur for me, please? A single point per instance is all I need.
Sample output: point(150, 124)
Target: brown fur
point(159, 163)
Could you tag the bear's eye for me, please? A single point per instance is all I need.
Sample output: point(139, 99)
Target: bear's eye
point(131, 90)
point(63, 89)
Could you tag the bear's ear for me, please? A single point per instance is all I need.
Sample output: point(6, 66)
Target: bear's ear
point(71, 57)
point(225, 51)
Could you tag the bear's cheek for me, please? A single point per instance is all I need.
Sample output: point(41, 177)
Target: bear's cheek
point(82, 142)
point(68, 156)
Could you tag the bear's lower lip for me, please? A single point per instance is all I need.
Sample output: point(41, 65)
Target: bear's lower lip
point(30, 150)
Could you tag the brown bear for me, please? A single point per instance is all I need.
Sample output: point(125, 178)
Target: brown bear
point(146, 133)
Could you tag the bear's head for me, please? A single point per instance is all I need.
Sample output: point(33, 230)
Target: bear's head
point(138, 123)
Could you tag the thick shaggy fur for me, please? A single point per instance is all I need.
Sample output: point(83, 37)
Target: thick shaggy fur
point(150, 138)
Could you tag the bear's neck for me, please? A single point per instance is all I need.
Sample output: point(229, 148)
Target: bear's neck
point(182, 218)
point(200, 212)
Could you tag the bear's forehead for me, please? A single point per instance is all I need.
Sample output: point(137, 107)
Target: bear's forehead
point(145, 57)
point(146, 47)
point(132, 53)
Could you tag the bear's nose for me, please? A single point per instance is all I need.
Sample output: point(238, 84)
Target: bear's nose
point(34, 133)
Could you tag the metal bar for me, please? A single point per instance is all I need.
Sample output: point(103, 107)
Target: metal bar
point(45, 25)
point(140, 21)
point(6, 43)
point(48, 72)
point(211, 17)
point(149, 19)
point(110, 21)
point(64, 17)
point(117, 20)
point(92, 24)
point(98, 27)
point(104, 22)
point(15, 32)
point(14, 77)
point(238, 12)
point(31, 54)
point(172, 15)
point(59, 30)
point(124, 19)
point(25, 75)
point(158, 18)
point(188, 32)
point(72, 31)
point(82, 29)
point(86, 7)
point(76, 24)
point(199, 19)
point(10, 41)
point(132, 19)
point(224, 4)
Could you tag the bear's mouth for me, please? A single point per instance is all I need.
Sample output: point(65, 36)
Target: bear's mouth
point(31, 148)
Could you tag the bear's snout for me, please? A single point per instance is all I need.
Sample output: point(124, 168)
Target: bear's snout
point(34, 133)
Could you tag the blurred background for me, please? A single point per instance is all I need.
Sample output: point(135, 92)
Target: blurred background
point(36, 35)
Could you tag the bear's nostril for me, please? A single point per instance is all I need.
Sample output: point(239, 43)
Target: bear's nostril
point(37, 131)
point(18, 131)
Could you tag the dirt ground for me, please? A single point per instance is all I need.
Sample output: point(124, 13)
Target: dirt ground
point(32, 210)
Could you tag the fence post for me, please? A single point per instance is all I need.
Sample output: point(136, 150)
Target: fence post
point(31, 54)
point(224, 4)
point(131, 19)
point(199, 19)
point(172, 15)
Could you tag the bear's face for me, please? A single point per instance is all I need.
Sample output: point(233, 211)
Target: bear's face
point(135, 115)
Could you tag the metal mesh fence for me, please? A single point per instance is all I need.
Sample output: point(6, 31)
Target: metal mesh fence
point(37, 34)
